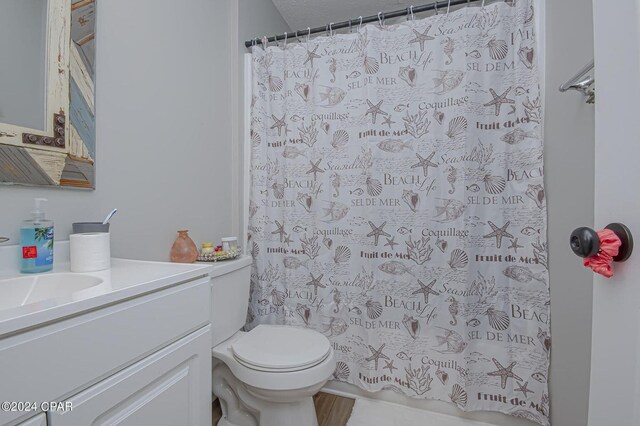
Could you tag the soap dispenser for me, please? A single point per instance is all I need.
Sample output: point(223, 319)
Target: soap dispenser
point(36, 239)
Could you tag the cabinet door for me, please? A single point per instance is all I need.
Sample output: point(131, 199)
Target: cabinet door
point(39, 420)
point(171, 387)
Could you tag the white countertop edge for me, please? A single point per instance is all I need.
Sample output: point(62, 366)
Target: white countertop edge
point(11, 326)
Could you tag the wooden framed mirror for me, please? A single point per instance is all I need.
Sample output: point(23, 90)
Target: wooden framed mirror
point(47, 91)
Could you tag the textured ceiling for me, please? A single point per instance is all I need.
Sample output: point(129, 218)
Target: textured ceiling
point(301, 14)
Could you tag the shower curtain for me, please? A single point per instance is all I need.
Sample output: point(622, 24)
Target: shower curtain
point(397, 205)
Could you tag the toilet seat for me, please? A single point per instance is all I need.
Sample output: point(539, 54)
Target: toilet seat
point(284, 349)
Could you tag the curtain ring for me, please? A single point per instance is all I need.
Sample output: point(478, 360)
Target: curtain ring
point(381, 19)
point(308, 33)
point(448, 7)
point(483, 4)
point(330, 29)
point(435, 6)
point(413, 18)
point(349, 26)
point(275, 40)
point(360, 25)
point(285, 39)
point(265, 42)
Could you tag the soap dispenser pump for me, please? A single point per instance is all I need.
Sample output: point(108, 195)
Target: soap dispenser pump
point(36, 239)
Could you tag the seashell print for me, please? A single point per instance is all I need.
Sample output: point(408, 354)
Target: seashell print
point(458, 259)
point(342, 255)
point(412, 199)
point(275, 83)
point(458, 395)
point(325, 127)
point(374, 187)
point(342, 371)
point(536, 193)
point(340, 139)
point(374, 309)
point(442, 376)
point(457, 126)
point(526, 55)
point(303, 90)
point(304, 311)
point(255, 250)
point(442, 244)
point(305, 201)
point(498, 49)
point(278, 190)
point(255, 138)
point(253, 209)
point(328, 242)
point(277, 297)
point(412, 325)
point(409, 75)
point(498, 320)
point(438, 116)
point(291, 262)
point(371, 65)
point(494, 184)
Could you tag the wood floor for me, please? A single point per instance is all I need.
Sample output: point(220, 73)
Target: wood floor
point(331, 410)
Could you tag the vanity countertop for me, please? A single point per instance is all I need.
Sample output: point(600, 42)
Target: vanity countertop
point(126, 279)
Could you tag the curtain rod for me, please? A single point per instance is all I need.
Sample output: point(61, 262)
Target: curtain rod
point(438, 5)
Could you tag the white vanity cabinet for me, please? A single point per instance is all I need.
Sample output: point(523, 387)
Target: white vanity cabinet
point(141, 360)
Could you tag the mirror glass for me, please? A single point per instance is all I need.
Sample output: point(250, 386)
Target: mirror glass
point(23, 51)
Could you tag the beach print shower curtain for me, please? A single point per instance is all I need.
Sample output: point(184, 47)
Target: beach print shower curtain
point(397, 205)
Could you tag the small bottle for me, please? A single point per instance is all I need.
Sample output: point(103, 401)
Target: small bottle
point(207, 249)
point(184, 250)
point(36, 239)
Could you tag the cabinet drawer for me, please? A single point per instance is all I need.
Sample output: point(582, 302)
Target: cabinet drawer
point(65, 357)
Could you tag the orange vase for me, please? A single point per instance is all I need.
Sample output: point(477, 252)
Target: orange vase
point(184, 250)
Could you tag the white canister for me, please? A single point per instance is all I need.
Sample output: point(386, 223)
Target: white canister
point(90, 252)
point(229, 244)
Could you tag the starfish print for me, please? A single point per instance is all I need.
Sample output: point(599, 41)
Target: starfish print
point(315, 282)
point(376, 355)
point(425, 163)
point(279, 123)
point(498, 233)
point(499, 100)
point(515, 246)
point(390, 366)
point(377, 231)
point(279, 230)
point(315, 169)
point(504, 373)
point(311, 55)
point(421, 38)
point(426, 290)
point(374, 110)
point(523, 388)
point(287, 240)
point(391, 243)
point(388, 121)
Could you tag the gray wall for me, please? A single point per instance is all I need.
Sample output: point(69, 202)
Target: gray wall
point(569, 157)
point(163, 130)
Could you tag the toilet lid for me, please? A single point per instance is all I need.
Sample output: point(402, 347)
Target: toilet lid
point(284, 348)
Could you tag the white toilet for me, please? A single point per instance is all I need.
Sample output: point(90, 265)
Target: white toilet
point(267, 376)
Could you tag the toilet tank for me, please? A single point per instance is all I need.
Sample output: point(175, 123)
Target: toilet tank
point(229, 297)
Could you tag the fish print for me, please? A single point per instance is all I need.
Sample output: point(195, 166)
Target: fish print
point(539, 377)
point(335, 211)
point(358, 192)
point(394, 267)
point(336, 327)
point(453, 341)
point(291, 262)
point(529, 231)
point(447, 81)
point(299, 228)
point(403, 356)
point(404, 230)
point(393, 145)
point(475, 54)
point(517, 135)
point(333, 96)
point(474, 322)
point(354, 74)
point(450, 210)
point(521, 91)
point(292, 152)
point(523, 274)
point(473, 188)
point(401, 107)
point(296, 118)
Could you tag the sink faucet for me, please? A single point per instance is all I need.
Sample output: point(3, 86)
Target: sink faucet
point(3, 240)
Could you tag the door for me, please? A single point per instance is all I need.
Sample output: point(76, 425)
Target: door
point(615, 357)
point(171, 387)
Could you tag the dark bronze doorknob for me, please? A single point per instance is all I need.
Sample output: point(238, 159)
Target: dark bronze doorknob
point(585, 241)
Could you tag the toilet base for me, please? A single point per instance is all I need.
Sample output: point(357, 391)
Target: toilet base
point(243, 405)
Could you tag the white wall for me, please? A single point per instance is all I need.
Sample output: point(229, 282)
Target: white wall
point(163, 134)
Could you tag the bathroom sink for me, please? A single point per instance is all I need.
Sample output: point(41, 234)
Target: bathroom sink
point(26, 290)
